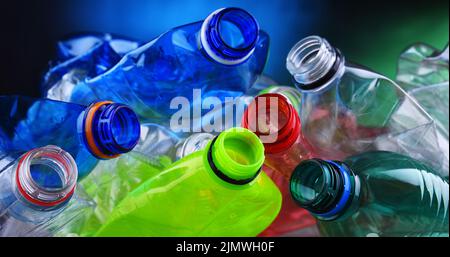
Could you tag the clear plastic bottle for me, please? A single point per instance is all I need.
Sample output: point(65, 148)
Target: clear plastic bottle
point(347, 109)
point(81, 57)
point(27, 197)
point(423, 73)
point(376, 193)
point(218, 191)
point(70, 221)
point(222, 56)
point(276, 122)
point(103, 130)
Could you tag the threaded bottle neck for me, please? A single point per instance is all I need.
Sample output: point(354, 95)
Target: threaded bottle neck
point(229, 35)
point(109, 129)
point(274, 120)
point(193, 144)
point(46, 177)
point(325, 188)
point(235, 156)
point(313, 62)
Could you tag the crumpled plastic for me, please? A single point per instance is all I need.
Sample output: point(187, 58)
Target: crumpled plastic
point(82, 57)
point(423, 72)
point(363, 111)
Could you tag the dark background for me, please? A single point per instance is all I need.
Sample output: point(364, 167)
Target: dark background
point(372, 33)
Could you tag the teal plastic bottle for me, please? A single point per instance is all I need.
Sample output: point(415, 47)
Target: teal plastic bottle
point(373, 194)
point(218, 191)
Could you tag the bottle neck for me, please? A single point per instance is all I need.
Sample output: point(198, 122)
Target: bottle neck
point(274, 120)
point(229, 35)
point(45, 177)
point(327, 189)
point(193, 143)
point(313, 63)
point(235, 156)
point(109, 129)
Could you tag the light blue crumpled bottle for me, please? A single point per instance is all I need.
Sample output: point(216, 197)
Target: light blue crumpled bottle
point(81, 57)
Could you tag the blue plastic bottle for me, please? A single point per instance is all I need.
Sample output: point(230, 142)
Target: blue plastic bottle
point(26, 200)
point(103, 130)
point(79, 44)
point(81, 57)
point(221, 55)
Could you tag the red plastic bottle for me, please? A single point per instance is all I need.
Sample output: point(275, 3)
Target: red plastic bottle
point(277, 123)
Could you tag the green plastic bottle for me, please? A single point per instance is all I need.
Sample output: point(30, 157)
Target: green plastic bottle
point(111, 182)
point(373, 194)
point(217, 191)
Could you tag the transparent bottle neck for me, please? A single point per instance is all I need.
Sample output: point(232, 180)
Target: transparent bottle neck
point(45, 177)
point(313, 63)
point(192, 144)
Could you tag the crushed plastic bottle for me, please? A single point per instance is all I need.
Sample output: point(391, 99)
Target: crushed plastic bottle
point(222, 56)
point(103, 130)
point(348, 109)
point(81, 57)
point(218, 191)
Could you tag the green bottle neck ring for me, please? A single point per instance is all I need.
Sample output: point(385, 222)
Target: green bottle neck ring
point(337, 188)
point(235, 156)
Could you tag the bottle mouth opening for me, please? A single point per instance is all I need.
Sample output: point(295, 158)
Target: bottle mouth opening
point(235, 149)
point(309, 182)
point(125, 128)
point(110, 129)
point(46, 176)
point(237, 29)
point(237, 154)
point(272, 118)
point(229, 35)
point(312, 61)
